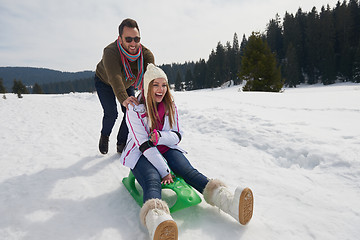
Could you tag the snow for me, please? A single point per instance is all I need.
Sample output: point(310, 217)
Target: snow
point(297, 150)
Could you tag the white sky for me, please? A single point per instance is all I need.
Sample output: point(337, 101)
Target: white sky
point(69, 35)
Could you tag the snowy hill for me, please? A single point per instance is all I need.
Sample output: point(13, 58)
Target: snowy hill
point(298, 151)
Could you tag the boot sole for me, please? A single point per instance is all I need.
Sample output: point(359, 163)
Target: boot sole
point(166, 230)
point(246, 206)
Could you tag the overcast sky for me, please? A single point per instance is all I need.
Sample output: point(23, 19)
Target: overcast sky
point(69, 35)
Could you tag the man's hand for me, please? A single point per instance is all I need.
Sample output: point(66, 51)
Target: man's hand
point(130, 100)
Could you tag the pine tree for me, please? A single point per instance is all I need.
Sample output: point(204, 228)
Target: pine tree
point(342, 47)
point(228, 64)
point(19, 88)
point(220, 72)
point(37, 89)
point(292, 69)
point(178, 82)
point(2, 88)
point(312, 44)
point(354, 34)
point(327, 63)
point(188, 80)
point(259, 67)
point(299, 45)
point(200, 70)
point(237, 61)
point(356, 66)
point(274, 37)
point(211, 69)
point(354, 21)
point(232, 59)
point(243, 44)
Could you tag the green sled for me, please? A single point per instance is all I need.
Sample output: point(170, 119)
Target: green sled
point(186, 195)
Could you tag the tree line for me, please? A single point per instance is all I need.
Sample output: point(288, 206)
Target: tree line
point(309, 48)
point(222, 65)
point(81, 85)
point(31, 75)
point(251, 60)
point(318, 47)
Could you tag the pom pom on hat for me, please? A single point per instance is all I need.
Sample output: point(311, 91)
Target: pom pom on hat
point(152, 72)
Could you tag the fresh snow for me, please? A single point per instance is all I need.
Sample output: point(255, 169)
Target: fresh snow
point(297, 150)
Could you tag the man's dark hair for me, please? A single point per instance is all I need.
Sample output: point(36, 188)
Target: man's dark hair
point(130, 23)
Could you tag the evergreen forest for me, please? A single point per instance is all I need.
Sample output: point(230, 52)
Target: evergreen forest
point(314, 47)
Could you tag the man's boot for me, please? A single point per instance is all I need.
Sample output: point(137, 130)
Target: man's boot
point(104, 144)
point(120, 147)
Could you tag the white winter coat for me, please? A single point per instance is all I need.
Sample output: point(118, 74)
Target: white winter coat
point(139, 131)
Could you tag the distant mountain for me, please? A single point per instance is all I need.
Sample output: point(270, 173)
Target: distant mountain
point(29, 76)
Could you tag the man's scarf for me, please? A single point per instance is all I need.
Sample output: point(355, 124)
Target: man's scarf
point(125, 58)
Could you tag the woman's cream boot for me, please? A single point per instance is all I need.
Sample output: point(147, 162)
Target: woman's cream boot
point(239, 205)
point(155, 216)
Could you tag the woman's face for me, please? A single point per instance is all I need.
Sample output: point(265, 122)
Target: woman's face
point(159, 89)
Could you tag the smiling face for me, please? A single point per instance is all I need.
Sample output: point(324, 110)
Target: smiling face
point(131, 47)
point(159, 89)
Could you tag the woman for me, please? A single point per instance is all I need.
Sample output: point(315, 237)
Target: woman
point(152, 150)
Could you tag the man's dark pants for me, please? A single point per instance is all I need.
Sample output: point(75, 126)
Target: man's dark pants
point(108, 103)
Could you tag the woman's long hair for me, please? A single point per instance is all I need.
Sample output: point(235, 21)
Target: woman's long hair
point(151, 107)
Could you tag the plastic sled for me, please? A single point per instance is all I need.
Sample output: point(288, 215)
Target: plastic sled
point(185, 194)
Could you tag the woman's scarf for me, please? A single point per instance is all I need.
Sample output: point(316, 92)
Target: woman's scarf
point(160, 124)
point(125, 58)
point(161, 116)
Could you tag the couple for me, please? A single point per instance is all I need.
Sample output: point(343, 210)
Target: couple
point(153, 137)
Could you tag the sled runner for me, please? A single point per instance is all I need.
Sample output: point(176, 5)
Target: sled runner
point(186, 195)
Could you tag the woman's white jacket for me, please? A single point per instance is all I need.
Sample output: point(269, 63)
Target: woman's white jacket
point(138, 139)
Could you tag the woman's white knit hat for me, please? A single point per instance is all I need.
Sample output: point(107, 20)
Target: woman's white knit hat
point(152, 72)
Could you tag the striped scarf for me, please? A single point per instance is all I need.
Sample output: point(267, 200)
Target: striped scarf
point(125, 58)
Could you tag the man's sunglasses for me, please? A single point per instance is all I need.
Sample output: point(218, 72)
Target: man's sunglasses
point(130, 39)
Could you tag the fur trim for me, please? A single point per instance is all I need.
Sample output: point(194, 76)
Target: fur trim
point(152, 204)
point(210, 188)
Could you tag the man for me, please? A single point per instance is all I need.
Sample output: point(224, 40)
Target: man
point(118, 74)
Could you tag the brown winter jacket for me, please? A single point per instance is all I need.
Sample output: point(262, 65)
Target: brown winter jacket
point(110, 70)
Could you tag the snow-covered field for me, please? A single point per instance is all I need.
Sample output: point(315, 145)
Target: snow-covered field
point(297, 150)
